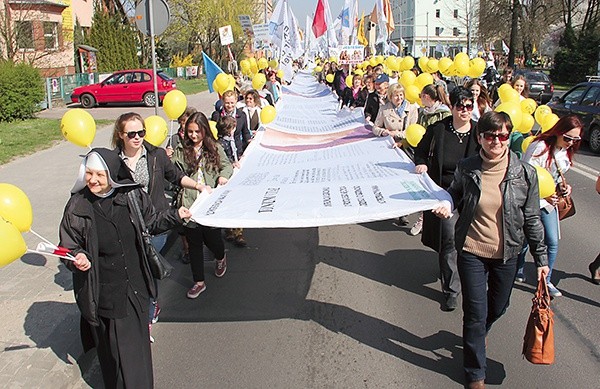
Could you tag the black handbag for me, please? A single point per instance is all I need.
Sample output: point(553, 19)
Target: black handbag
point(159, 267)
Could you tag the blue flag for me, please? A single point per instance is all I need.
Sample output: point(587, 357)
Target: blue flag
point(211, 69)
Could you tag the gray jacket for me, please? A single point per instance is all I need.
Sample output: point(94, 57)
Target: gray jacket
point(520, 206)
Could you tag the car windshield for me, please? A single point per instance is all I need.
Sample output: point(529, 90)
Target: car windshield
point(164, 76)
point(536, 77)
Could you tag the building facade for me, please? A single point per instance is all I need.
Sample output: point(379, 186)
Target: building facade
point(435, 28)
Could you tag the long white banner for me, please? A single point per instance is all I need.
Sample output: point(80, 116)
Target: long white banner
point(314, 166)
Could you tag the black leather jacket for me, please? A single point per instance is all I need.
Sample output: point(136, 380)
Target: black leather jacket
point(520, 206)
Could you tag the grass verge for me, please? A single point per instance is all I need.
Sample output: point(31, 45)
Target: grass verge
point(192, 85)
point(25, 137)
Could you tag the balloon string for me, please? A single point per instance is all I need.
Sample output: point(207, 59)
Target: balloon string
point(70, 258)
point(170, 133)
point(41, 237)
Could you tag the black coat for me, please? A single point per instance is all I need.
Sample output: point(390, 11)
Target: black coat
point(430, 152)
point(79, 234)
point(372, 106)
point(160, 168)
point(348, 99)
point(242, 133)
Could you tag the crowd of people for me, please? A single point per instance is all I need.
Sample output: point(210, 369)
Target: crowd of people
point(481, 241)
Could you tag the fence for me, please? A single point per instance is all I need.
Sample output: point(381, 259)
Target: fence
point(59, 89)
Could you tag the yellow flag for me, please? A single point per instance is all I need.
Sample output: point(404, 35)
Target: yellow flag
point(361, 31)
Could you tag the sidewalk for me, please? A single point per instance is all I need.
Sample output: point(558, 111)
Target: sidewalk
point(39, 343)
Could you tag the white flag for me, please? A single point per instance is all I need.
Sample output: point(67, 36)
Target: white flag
point(276, 22)
point(286, 57)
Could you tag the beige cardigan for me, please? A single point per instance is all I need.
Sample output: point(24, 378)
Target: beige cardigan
point(388, 119)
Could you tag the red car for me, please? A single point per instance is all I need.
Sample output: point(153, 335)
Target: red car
point(125, 86)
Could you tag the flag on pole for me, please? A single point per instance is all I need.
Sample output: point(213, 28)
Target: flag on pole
point(346, 26)
point(389, 16)
point(362, 39)
point(505, 48)
point(382, 27)
point(319, 25)
point(211, 69)
point(287, 50)
point(276, 23)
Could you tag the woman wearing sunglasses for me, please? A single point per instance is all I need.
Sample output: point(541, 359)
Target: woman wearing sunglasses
point(444, 144)
point(553, 150)
point(150, 167)
point(497, 197)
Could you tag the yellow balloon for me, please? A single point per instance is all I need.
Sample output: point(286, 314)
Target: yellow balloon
point(245, 65)
point(408, 62)
point(461, 58)
point(508, 94)
point(411, 93)
point(258, 81)
point(528, 106)
point(549, 121)
point(263, 63)
point(526, 142)
point(373, 61)
point(253, 68)
point(221, 81)
point(213, 128)
point(230, 84)
point(252, 61)
point(392, 63)
point(414, 134)
point(174, 104)
point(349, 80)
point(267, 114)
point(15, 207)
point(462, 68)
point(78, 127)
point(477, 67)
point(318, 69)
point(513, 110)
point(527, 123)
point(546, 182)
point(280, 74)
point(432, 65)
point(359, 72)
point(423, 79)
point(329, 78)
point(379, 59)
point(443, 64)
point(156, 130)
point(423, 63)
point(273, 64)
point(407, 78)
point(540, 112)
point(12, 243)
point(215, 88)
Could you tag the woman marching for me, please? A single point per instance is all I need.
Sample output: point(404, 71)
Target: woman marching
point(204, 160)
point(111, 276)
point(497, 197)
point(553, 150)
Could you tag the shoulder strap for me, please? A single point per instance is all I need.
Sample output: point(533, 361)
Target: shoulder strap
point(563, 182)
point(136, 208)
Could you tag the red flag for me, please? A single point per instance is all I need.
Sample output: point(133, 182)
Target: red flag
point(319, 25)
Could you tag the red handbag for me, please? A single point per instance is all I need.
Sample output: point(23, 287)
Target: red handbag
point(538, 342)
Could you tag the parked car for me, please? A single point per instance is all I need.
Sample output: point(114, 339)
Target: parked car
point(584, 100)
point(540, 85)
point(125, 86)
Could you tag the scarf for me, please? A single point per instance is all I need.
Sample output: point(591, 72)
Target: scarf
point(401, 108)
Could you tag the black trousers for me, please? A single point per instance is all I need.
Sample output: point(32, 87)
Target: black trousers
point(197, 237)
point(124, 350)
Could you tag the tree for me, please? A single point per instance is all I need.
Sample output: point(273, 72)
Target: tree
point(115, 40)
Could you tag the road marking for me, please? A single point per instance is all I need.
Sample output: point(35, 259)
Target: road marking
point(586, 171)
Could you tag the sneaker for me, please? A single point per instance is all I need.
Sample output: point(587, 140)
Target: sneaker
point(520, 277)
point(401, 221)
point(221, 267)
point(156, 313)
point(417, 227)
point(150, 332)
point(196, 290)
point(553, 291)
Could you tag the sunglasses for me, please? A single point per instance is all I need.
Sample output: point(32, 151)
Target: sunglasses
point(140, 133)
point(573, 139)
point(490, 136)
point(462, 107)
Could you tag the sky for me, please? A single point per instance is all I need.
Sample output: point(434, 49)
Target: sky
point(302, 8)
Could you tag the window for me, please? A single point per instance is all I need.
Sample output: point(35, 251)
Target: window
point(437, 13)
point(50, 35)
point(575, 96)
point(592, 97)
point(24, 32)
point(455, 31)
point(455, 14)
point(438, 31)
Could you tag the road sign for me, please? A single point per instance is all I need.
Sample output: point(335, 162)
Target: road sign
point(161, 19)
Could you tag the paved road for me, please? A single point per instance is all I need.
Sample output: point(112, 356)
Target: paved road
point(345, 306)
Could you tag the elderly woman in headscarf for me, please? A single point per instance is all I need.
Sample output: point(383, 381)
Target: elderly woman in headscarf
point(111, 276)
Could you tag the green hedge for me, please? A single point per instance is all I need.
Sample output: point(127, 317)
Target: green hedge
point(21, 90)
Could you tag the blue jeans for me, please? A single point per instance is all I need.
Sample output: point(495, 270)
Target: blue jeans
point(550, 223)
point(486, 288)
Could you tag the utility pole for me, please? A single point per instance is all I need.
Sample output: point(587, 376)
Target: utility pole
point(516, 6)
point(427, 27)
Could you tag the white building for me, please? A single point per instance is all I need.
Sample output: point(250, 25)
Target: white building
point(435, 27)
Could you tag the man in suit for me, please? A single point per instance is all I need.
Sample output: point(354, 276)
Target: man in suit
point(242, 134)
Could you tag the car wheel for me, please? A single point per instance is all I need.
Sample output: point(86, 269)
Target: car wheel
point(595, 139)
point(149, 99)
point(87, 101)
